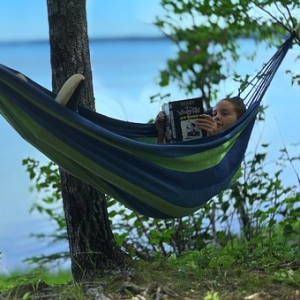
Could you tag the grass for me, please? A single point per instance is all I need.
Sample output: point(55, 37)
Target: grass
point(242, 272)
point(19, 278)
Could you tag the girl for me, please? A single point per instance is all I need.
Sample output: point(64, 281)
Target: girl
point(226, 112)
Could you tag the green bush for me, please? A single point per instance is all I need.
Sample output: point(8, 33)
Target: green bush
point(257, 207)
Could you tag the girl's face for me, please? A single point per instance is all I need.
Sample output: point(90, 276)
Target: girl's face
point(224, 114)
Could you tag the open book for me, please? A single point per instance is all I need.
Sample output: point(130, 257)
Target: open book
point(180, 119)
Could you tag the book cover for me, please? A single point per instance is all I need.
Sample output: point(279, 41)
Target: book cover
point(180, 120)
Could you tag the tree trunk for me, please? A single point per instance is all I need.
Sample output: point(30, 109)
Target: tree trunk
point(93, 249)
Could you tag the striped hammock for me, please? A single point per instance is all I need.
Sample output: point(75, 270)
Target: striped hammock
point(156, 180)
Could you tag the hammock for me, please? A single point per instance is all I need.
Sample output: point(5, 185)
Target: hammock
point(156, 180)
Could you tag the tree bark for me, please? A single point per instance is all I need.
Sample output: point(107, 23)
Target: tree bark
point(93, 249)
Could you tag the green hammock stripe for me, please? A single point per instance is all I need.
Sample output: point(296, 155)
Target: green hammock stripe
point(156, 180)
point(196, 162)
point(74, 157)
point(146, 197)
point(192, 163)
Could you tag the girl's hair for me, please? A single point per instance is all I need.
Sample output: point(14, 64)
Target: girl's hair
point(239, 105)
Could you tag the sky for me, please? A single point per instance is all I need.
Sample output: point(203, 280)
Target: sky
point(27, 20)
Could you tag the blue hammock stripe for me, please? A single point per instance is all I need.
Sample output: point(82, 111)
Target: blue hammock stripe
point(156, 180)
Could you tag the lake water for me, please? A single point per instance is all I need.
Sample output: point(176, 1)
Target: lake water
point(125, 73)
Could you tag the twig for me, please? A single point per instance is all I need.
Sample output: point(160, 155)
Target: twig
point(290, 15)
point(274, 18)
point(295, 25)
point(287, 155)
point(284, 16)
point(297, 38)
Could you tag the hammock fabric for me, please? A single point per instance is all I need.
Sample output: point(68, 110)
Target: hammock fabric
point(156, 180)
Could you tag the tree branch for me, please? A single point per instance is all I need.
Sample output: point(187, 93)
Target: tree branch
point(272, 17)
point(284, 16)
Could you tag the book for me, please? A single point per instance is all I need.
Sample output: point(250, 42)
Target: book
point(180, 120)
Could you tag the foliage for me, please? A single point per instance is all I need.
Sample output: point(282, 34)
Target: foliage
point(234, 272)
point(206, 36)
point(47, 185)
point(253, 208)
point(288, 276)
point(38, 284)
point(34, 276)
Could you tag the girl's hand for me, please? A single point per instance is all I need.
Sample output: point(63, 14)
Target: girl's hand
point(160, 122)
point(160, 127)
point(207, 123)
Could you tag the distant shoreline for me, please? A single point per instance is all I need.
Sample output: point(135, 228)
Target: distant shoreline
point(92, 40)
point(108, 39)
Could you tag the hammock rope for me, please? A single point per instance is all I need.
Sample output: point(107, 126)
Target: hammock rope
point(156, 180)
point(256, 88)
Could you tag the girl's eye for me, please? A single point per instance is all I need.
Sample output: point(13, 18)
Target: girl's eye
point(225, 113)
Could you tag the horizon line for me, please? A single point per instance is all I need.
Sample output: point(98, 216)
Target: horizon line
point(92, 39)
